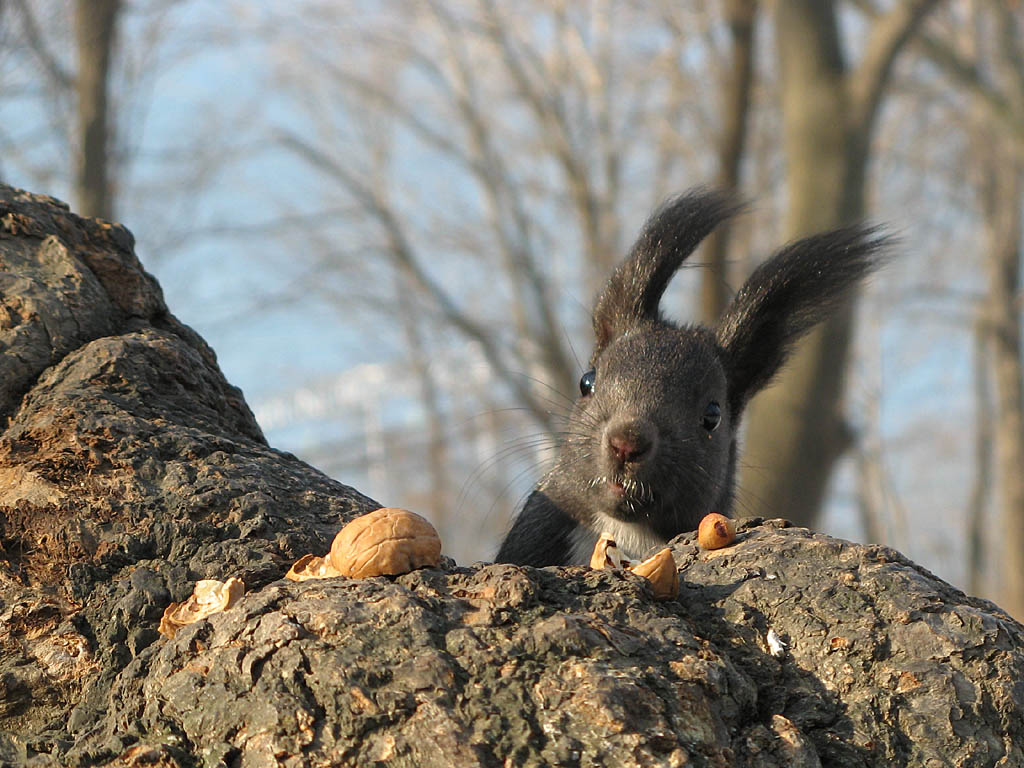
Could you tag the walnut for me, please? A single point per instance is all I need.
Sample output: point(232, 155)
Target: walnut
point(208, 597)
point(716, 531)
point(386, 542)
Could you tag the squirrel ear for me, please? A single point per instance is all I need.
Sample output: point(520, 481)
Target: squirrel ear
point(785, 297)
point(671, 234)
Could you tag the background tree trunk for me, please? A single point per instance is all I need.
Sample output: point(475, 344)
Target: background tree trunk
point(981, 492)
point(95, 31)
point(1001, 202)
point(741, 16)
point(796, 429)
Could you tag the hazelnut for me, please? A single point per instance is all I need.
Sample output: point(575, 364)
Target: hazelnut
point(209, 596)
point(716, 531)
point(386, 542)
point(661, 571)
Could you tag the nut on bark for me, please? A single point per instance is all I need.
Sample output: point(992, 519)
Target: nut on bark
point(386, 542)
point(716, 531)
point(311, 567)
point(208, 597)
point(607, 555)
point(660, 570)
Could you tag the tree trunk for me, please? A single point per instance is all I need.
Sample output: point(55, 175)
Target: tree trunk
point(742, 17)
point(796, 429)
point(1002, 209)
point(95, 29)
point(984, 425)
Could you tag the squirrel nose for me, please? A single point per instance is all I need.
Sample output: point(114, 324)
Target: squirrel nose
point(630, 442)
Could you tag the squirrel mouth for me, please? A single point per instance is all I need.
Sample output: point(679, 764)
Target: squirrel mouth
point(622, 489)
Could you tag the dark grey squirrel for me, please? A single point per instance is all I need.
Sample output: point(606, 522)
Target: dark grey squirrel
point(650, 446)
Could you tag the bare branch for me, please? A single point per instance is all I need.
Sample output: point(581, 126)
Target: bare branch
point(550, 112)
point(534, 310)
point(889, 35)
point(404, 255)
point(374, 93)
point(60, 77)
point(966, 74)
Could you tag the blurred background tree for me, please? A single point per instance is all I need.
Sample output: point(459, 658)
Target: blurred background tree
point(390, 219)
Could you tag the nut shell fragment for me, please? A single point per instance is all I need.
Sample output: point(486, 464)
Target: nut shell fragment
point(716, 531)
point(386, 542)
point(607, 555)
point(660, 570)
point(776, 645)
point(209, 596)
point(311, 567)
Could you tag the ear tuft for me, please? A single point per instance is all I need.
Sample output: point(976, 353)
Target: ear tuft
point(671, 234)
point(785, 297)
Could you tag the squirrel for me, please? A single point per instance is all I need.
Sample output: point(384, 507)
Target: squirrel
point(651, 443)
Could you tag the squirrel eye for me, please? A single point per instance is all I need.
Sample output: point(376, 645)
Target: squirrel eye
point(587, 382)
point(712, 416)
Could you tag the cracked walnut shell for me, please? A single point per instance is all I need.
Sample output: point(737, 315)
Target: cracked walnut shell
point(208, 597)
point(607, 555)
point(311, 567)
point(660, 570)
point(386, 542)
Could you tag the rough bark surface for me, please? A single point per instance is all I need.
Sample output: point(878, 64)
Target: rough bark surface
point(129, 469)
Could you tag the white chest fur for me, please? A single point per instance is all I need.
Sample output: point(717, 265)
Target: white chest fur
point(632, 539)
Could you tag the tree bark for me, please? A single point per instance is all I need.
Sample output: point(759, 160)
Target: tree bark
point(130, 469)
point(796, 429)
point(95, 31)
